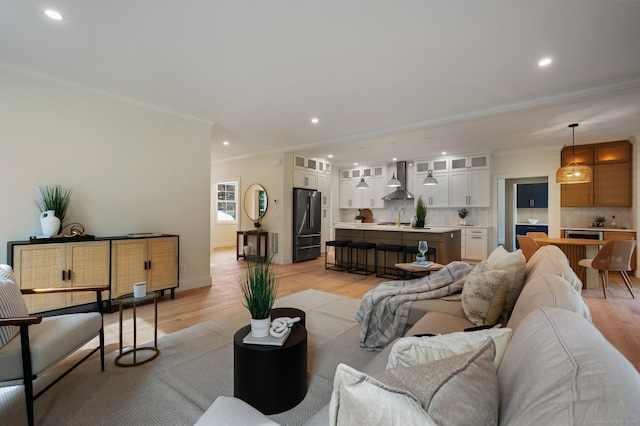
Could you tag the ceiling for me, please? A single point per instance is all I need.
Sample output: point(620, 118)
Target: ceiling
point(425, 75)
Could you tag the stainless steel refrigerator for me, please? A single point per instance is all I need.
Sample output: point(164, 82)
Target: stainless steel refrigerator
point(306, 224)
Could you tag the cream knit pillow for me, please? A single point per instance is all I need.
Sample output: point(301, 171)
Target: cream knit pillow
point(483, 294)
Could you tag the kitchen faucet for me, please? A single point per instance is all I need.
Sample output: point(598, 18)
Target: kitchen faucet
point(403, 212)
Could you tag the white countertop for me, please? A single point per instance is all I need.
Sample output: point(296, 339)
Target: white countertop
point(591, 228)
point(532, 224)
point(439, 229)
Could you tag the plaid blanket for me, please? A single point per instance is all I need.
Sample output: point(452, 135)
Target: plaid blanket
point(384, 310)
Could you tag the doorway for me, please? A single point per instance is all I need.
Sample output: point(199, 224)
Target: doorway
point(509, 216)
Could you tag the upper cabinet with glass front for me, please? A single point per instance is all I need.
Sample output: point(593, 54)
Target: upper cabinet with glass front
point(476, 162)
point(306, 171)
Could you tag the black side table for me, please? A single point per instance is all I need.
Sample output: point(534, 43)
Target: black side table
point(272, 379)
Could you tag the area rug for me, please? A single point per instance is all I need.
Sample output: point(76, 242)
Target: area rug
point(195, 366)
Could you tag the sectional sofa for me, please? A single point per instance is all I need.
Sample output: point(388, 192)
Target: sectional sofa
point(549, 365)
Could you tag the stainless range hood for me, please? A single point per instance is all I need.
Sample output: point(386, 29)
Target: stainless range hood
point(401, 193)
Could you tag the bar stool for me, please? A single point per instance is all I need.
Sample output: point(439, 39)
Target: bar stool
point(342, 245)
point(356, 268)
point(389, 248)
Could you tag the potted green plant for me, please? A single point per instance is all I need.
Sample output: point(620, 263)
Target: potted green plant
point(421, 213)
point(359, 218)
point(462, 213)
point(54, 201)
point(599, 221)
point(259, 287)
point(258, 225)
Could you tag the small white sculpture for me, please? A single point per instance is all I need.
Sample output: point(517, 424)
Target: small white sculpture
point(280, 326)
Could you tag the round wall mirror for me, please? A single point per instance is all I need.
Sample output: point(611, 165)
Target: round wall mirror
point(255, 201)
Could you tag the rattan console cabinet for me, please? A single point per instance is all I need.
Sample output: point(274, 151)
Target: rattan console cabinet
point(118, 262)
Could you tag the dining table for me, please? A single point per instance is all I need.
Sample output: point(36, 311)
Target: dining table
point(576, 249)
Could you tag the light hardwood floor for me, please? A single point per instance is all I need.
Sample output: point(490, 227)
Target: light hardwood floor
point(617, 317)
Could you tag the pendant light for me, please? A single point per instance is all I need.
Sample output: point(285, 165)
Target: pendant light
point(362, 184)
point(430, 180)
point(394, 183)
point(572, 172)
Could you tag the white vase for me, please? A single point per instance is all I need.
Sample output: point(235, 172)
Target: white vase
point(260, 327)
point(49, 223)
point(462, 222)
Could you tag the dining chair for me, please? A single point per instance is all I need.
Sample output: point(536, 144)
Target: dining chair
point(537, 234)
point(31, 345)
point(528, 245)
point(614, 256)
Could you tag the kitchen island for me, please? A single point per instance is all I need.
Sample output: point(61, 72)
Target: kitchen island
point(446, 241)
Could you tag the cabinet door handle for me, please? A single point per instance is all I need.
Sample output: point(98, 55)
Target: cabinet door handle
point(64, 275)
point(69, 274)
point(149, 264)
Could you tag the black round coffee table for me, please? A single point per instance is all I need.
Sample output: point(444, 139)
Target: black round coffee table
point(272, 379)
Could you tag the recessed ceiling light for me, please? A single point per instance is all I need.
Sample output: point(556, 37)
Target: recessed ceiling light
point(315, 120)
point(225, 142)
point(394, 159)
point(330, 155)
point(444, 152)
point(355, 164)
point(54, 14)
point(544, 62)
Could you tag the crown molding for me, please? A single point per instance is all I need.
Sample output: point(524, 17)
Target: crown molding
point(24, 72)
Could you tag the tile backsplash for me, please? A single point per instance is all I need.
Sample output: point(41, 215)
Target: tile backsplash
point(437, 216)
point(582, 217)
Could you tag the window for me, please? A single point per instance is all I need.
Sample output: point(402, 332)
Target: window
point(227, 204)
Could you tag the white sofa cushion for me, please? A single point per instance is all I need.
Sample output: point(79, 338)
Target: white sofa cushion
point(559, 370)
point(548, 290)
point(228, 411)
point(428, 393)
point(12, 304)
point(408, 351)
point(51, 341)
point(544, 252)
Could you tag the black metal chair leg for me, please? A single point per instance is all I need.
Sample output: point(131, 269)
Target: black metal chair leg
point(27, 372)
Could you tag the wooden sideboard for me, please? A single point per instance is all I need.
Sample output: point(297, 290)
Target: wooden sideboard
point(117, 262)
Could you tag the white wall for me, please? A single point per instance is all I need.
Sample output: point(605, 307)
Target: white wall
point(132, 169)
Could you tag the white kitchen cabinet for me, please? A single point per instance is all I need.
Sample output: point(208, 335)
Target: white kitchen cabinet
point(436, 165)
point(372, 197)
point(470, 188)
point(433, 195)
point(305, 179)
point(307, 171)
point(475, 243)
point(324, 186)
point(477, 162)
point(352, 197)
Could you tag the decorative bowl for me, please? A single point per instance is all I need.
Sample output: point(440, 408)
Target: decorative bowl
point(533, 221)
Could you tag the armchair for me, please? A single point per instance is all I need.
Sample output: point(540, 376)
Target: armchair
point(29, 345)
